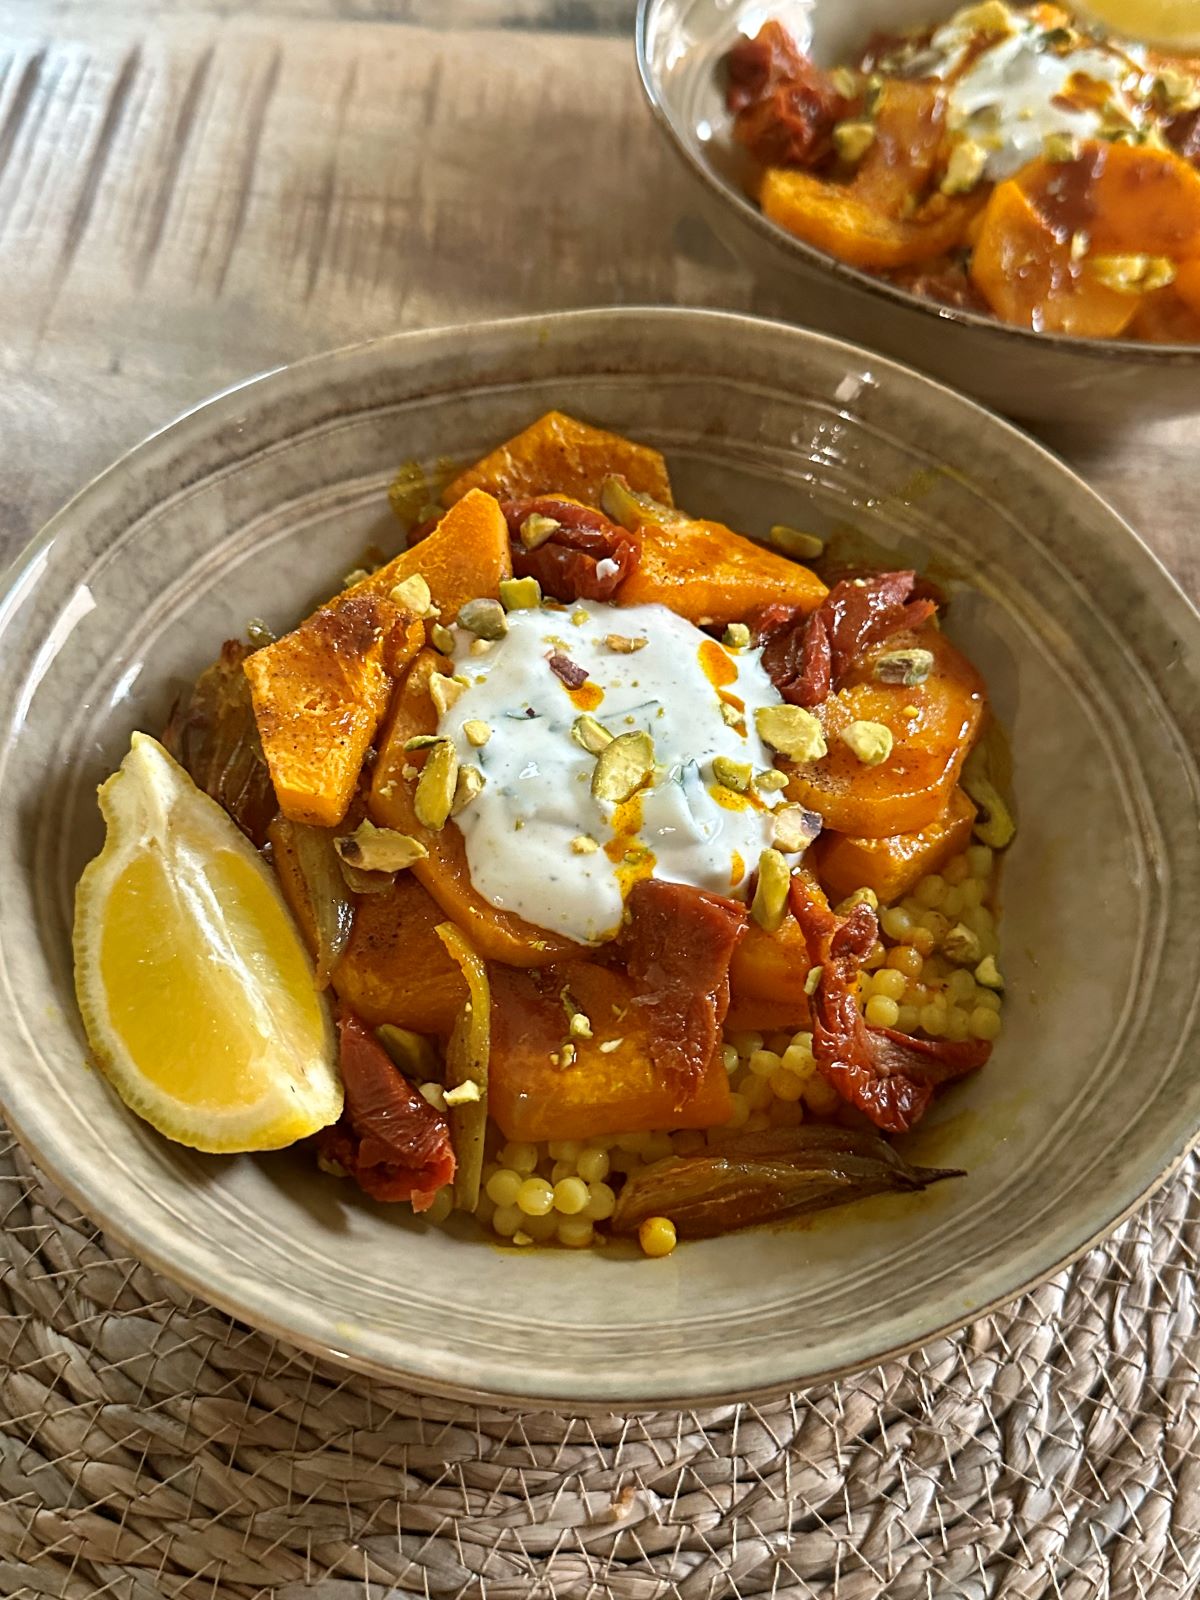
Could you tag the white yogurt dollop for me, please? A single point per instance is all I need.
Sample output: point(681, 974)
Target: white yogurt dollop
point(537, 797)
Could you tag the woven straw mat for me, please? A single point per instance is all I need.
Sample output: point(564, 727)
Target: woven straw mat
point(150, 1446)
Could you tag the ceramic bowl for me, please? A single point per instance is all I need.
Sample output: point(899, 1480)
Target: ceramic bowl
point(253, 504)
point(681, 45)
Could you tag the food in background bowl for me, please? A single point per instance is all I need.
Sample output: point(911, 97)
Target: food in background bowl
point(1007, 161)
point(653, 875)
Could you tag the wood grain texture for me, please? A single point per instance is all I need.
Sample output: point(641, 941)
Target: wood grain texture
point(191, 193)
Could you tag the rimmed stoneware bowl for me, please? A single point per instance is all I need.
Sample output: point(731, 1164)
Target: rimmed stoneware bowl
point(681, 45)
point(257, 502)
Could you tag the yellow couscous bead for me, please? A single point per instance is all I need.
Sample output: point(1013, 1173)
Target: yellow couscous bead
point(688, 1141)
point(896, 923)
point(984, 1023)
point(821, 1098)
point(542, 1229)
point(503, 1186)
point(746, 1043)
point(979, 919)
point(658, 1147)
point(874, 957)
point(957, 871)
point(506, 1220)
point(565, 1150)
point(602, 1202)
point(575, 1232)
point(522, 1158)
point(906, 960)
point(937, 924)
point(624, 1161)
point(739, 1110)
point(763, 1063)
point(570, 1196)
point(786, 1085)
point(561, 1170)
point(957, 1026)
point(923, 941)
point(535, 1197)
point(952, 905)
point(988, 998)
point(909, 1019)
point(930, 891)
point(960, 985)
point(798, 1060)
point(972, 894)
point(979, 859)
point(657, 1236)
point(443, 1205)
point(787, 1114)
point(757, 1122)
point(757, 1093)
point(888, 983)
point(593, 1165)
point(882, 1012)
point(916, 994)
point(933, 1020)
point(633, 1142)
point(485, 1210)
point(730, 1058)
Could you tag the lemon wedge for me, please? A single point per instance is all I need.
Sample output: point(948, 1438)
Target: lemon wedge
point(194, 986)
point(1163, 22)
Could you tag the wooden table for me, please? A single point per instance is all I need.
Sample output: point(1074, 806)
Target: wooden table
point(191, 193)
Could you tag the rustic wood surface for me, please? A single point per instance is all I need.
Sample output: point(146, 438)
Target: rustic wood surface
point(190, 193)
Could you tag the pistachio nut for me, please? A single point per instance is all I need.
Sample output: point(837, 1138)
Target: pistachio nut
point(732, 774)
point(987, 973)
point(871, 742)
point(444, 691)
point(536, 529)
point(623, 766)
point(906, 667)
point(412, 594)
point(961, 945)
point(520, 594)
point(593, 736)
point(468, 785)
point(478, 733)
point(794, 829)
point(736, 636)
point(375, 849)
point(484, 618)
point(796, 543)
point(441, 638)
point(771, 892)
point(791, 730)
point(632, 510)
point(436, 786)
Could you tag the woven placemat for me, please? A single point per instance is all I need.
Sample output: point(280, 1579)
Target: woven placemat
point(151, 1446)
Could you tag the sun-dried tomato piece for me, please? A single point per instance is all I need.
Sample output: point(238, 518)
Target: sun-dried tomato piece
point(888, 1075)
point(785, 106)
point(389, 1139)
point(677, 948)
point(807, 656)
point(587, 557)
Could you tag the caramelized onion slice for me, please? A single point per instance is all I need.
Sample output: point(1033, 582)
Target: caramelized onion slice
point(467, 1057)
point(744, 1178)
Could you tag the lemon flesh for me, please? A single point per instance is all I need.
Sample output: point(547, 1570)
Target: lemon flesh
point(1163, 22)
point(195, 988)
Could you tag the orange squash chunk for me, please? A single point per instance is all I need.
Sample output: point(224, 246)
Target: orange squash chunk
point(770, 967)
point(1146, 202)
point(559, 455)
point(497, 935)
point(464, 558)
point(898, 167)
point(707, 573)
point(892, 867)
point(531, 1097)
point(1187, 284)
point(933, 726)
point(834, 218)
point(1024, 271)
point(395, 968)
point(768, 1016)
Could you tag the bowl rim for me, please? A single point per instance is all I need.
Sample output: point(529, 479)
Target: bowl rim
point(1005, 333)
point(265, 1310)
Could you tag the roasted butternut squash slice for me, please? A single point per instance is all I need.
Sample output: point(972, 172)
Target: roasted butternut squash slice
point(707, 573)
point(533, 1095)
point(834, 218)
point(497, 935)
point(1187, 284)
point(771, 967)
point(898, 168)
point(464, 558)
point(892, 867)
point(559, 455)
point(932, 725)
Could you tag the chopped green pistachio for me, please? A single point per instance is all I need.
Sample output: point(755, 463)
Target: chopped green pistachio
point(581, 1027)
point(791, 730)
point(988, 974)
point(462, 1094)
point(813, 982)
point(792, 829)
point(797, 544)
point(623, 766)
point(1060, 146)
point(965, 167)
point(732, 716)
point(853, 140)
point(478, 733)
point(593, 736)
point(354, 577)
point(771, 781)
point(484, 618)
point(579, 616)
point(871, 742)
point(770, 895)
point(631, 509)
point(737, 636)
point(436, 786)
point(441, 638)
point(423, 741)
point(536, 529)
point(469, 783)
point(907, 667)
point(444, 691)
point(413, 595)
point(609, 1045)
point(994, 824)
point(846, 82)
point(860, 897)
point(625, 646)
point(520, 594)
point(1134, 274)
point(1176, 92)
point(564, 1057)
point(434, 1093)
point(733, 774)
point(584, 845)
point(258, 633)
point(379, 849)
point(961, 945)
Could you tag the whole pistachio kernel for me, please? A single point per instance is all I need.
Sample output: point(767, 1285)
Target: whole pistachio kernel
point(987, 973)
point(591, 735)
point(444, 691)
point(794, 829)
point(441, 638)
point(520, 594)
point(478, 733)
point(871, 742)
point(470, 782)
point(770, 895)
point(791, 730)
point(484, 618)
point(906, 667)
point(379, 849)
point(736, 636)
point(536, 529)
point(412, 594)
point(732, 774)
point(796, 543)
point(623, 766)
point(436, 786)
